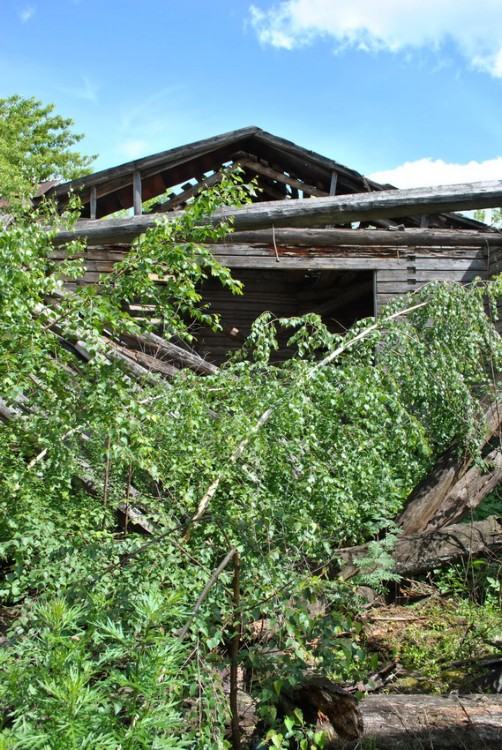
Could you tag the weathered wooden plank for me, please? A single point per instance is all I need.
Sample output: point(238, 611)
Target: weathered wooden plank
point(399, 287)
point(328, 262)
point(340, 209)
point(419, 278)
point(189, 192)
point(446, 264)
point(424, 275)
point(92, 202)
point(136, 189)
point(393, 276)
point(438, 238)
point(290, 251)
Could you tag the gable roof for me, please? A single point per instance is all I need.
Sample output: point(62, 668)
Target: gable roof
point(283, 170)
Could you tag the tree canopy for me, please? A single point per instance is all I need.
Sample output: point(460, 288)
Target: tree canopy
point(36, 145)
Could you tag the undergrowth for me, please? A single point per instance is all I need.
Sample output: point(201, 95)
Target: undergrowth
point(122, 641)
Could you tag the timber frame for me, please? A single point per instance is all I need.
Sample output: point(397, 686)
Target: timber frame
point(320, 237)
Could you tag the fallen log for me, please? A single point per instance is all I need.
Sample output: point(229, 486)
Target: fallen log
point(414, 554)
point(469, 491)
point(416, 722)
point(454, 486)
point(342, 209)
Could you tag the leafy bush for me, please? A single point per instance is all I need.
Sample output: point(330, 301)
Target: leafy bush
point(282, 463)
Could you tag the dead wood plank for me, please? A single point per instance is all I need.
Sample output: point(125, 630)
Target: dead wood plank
point(289, 251)
point(189, 192)
point(154, 364)
point(434, 238)
point(340, 209)
point(446, 264)
point(391, 289)
point(469, 491)
point(463, 277)
point(416, 722)
point(303, 262)
point(136, 189)
point(92, 202)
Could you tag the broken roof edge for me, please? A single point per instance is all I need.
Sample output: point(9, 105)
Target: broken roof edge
point(162, 157)
point(168, 158)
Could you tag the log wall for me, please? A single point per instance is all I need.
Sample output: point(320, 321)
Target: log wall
point(342, 283)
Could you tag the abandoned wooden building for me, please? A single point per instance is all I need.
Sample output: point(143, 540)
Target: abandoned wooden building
point(320, 238)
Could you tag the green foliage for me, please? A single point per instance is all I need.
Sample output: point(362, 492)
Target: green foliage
point(35, 145)
point(345, 440)
point(436, 637)
point(98, 674)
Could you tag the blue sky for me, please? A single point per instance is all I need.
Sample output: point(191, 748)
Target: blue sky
point(408, 91)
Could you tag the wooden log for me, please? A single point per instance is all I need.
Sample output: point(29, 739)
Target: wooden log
point(426, 501)
point(414, 554)
point(468, 491)
point(370, 237)
point(341, 209)
point(416, 722)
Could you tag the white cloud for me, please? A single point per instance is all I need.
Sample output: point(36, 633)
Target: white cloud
point(392, 25)
point(133, 148)
point(27, 13)
point(426, 172)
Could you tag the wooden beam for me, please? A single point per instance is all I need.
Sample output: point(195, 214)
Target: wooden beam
point(179, 198)
point(246, 161)
point(93, 202)
point(334, 181)
point(371, 237)
point(340, 209)
point(136, 187)
point(416, 722)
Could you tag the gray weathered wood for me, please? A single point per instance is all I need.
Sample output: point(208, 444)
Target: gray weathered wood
point(93, 202)
point(420, 722)
point(439, 490)
point(169, 351)
point(136, 187)
point(414, 554)
point(256, 166)
point(360, 237)
point(340, 209)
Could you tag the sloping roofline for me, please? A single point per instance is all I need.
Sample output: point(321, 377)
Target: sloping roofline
point(277, 160)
